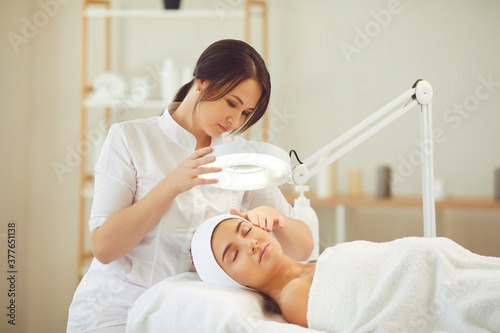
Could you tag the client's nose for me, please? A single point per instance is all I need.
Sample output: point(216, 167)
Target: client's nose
point(253, 245)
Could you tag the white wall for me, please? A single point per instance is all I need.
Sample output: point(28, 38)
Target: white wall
point(14, 163)
point(55, 78)
point(450, 43)
point(39, 110)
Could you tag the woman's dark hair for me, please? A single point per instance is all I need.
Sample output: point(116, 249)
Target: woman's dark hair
point(224, 65)
point(269, 304)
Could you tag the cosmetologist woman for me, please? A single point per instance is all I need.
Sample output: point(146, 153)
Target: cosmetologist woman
point(149, 200)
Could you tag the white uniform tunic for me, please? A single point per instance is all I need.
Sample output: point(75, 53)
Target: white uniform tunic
point(136, 156)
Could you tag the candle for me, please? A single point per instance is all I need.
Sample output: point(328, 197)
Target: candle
point(355, 183)
point(384, 182)
point(326, 182)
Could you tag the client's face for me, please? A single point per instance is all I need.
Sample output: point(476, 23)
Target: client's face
point(247, 254)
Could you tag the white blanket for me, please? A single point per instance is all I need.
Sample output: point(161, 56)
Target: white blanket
point(183, 304)
point(407, 285)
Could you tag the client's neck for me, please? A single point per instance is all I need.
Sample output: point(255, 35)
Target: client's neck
point(287, 271)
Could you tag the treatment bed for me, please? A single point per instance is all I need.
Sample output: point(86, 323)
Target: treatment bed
point(184, 303)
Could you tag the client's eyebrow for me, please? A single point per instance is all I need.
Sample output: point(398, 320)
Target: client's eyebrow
point(230, 244)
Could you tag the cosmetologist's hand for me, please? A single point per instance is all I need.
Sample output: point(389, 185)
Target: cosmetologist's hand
point(185, 176)
point(264, 217)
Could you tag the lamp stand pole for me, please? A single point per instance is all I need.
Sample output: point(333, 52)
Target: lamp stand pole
point(423, 94)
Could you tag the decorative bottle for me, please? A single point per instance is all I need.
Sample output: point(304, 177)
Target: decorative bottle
point(304, 212)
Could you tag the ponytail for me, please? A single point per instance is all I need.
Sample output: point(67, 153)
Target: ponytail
point(181, 94)
point(269, 304)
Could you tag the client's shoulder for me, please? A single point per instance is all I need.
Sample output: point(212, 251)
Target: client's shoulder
point(293, 299)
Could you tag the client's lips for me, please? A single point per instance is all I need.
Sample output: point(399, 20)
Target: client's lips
point(223, 129)
point(262, 252)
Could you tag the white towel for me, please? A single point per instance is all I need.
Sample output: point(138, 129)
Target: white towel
point(407, 285)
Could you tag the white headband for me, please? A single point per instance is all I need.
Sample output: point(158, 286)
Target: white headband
point(203, 258)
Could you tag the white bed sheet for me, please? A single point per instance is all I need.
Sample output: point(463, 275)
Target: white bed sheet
point(184, 303)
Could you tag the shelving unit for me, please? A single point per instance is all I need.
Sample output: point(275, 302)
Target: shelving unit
point(152, 13)
point(103, 9)
point(410, 201)
point(342, 202)
point(148, 104)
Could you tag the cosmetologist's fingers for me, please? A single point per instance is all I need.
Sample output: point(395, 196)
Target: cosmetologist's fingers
point(253, 218)
point(201, 171)
point(234, 211)
point(262, 222)
point(201, 152)
point(269, 223)
point(203, 160)
point(281, 221)
point(206, 181)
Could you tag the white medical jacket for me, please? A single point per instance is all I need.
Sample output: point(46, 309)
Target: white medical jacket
point(136, 156)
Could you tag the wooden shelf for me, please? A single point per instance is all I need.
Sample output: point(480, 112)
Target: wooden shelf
point(126, 103)
point(486, 203)
point(468, 203)
point(163, 13)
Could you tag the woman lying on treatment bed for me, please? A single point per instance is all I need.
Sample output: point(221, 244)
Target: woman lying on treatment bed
point(411, 284)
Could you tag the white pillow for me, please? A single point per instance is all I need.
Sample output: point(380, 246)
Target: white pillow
point(184, 303)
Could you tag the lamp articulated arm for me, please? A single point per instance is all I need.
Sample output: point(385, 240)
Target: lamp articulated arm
point(421, 94)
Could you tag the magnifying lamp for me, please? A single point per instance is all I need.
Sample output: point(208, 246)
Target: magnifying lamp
point(251, 165)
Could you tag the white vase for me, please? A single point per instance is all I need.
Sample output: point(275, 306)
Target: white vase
point(187, 75)
point(169, 80)
point(108, 87)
